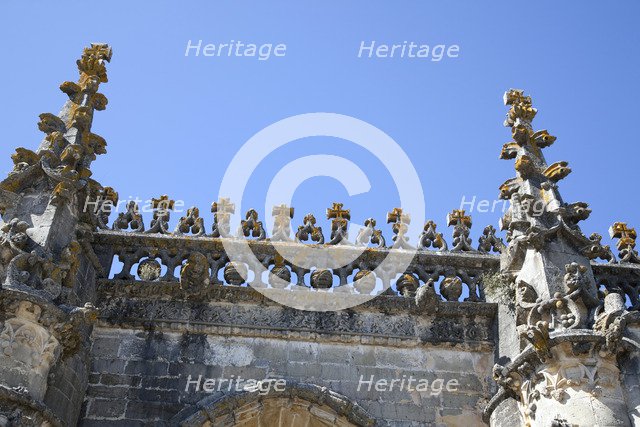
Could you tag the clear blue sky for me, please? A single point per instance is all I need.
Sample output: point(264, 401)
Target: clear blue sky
point(173, 123)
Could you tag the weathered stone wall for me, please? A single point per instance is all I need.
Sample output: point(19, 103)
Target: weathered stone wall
point(140, 376)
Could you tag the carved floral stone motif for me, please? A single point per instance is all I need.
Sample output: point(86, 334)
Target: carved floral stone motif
point(461, 228)
point(27, 351)
point(194, 276)
point(149, 270)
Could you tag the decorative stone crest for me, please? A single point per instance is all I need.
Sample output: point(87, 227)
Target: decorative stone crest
point(400, 226)
point(282, 216)
point(250, 226)
point(162, 207)
point(461, 228)
point(431, 238)
point(309, 231)
point(339, 221)
point(626, 243)
point(369, 234)
point(489, 241)
point(222, 211)
point(130, 218)
point(191, 223)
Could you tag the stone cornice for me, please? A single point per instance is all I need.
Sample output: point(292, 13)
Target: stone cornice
point(229, 310)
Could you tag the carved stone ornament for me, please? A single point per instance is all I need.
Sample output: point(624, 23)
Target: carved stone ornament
point(309, 231)
point(106, 202)
point(222, 211)
point(339, 222)
point(407, 285)
point(461, 228)
point(162, 207)
point(364, 282)
point(251, 227)
point(321, 279)
point(369, 234)
point(451, 288)
point(130, 218)
point(626, 243)
point(489, 242)
point(282, 216)
point(27, 350)
point(236, 273)
point(149, 270)
point(191, 223)
point(281, 273)
point(194, 276)
point(400, 226)
point(431, 238)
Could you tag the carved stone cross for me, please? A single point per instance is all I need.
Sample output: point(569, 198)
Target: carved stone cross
point(336, 212)
point(223, 206)
point(458, 217)
point(396, 216)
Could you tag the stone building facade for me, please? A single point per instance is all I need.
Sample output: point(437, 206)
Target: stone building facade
point(113, 322)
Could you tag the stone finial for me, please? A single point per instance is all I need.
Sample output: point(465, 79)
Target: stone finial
point(107, 199)
point(521, 107)
point(309, 230)
point(369, 234)
point(400, 227)
point(92, 62)
point(489, 241)
point(222, 211)
point(431, 238)
point(282, 223)
point(251, 226)
point(339, 220)
point(461, 228)
point(192, 222)
point(626, 243)
point(130, 218)
point(162, 207)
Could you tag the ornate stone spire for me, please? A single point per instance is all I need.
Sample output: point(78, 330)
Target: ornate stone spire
point(69, 147)
point(42, 204)
point(547, 264)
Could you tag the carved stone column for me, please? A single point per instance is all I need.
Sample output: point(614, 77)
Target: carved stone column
point(45, 262)
point(561, 368)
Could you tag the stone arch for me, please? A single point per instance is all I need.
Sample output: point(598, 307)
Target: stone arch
point(302, 404)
